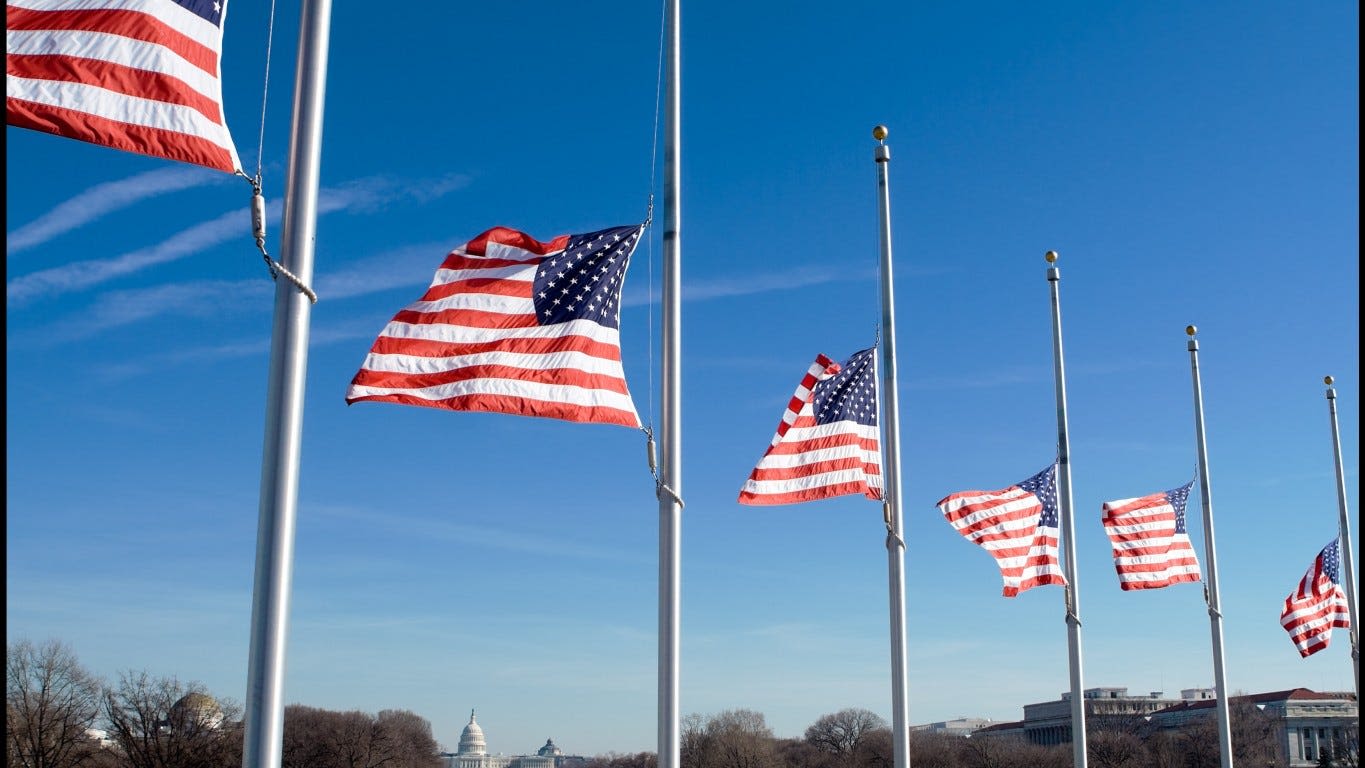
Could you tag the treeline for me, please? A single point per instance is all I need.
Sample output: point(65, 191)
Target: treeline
point(58, 715)
point(857, 738)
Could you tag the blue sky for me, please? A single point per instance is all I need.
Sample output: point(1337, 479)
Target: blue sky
point(1192, 163)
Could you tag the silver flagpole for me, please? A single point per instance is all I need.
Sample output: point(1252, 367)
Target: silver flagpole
point(1348, 567)
point(670, 481)
point(1211, 578)
point(264, 726)
point(1072, 593)
point(891, 486)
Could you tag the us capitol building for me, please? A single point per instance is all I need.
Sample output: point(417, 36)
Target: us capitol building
point(473, 753)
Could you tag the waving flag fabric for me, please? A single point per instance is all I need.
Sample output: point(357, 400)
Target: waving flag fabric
point(513, 325)
point(1151, 546)
point(137, 75)
point(1318, 604)
point(1017, 525)
point(828, 443)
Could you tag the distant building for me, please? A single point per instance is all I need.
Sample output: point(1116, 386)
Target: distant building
point(957, 727)
point(1049, 722)
point(1309, 723)
point(473, 753)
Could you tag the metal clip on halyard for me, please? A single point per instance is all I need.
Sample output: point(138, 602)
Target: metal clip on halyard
point(258, 231)
point(891, 536)
point(1071, 617)
point(659, 487)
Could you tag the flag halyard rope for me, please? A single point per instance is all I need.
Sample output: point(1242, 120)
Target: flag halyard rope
point(257, 199)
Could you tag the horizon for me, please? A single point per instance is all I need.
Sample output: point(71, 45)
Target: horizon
point(1191, 165)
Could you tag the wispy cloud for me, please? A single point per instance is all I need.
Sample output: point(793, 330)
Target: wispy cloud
point(507, 540)
point(258, 347)
point(84, 274)
point(103, 199)
point(360, 195)
point(410, 265)
point(747, 284)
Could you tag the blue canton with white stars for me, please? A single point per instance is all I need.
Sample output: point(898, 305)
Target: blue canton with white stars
point(850, 394)
point(1044, 486)
point(209, 10)
point(1331, 561)
point(584, 281)
point(1178, 498)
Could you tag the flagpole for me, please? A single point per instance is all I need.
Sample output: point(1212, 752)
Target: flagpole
point(1210, 556)
point(264, 723)
point(891, 487)
point(1347, 561)
point(1072, 591)
point(670, 479)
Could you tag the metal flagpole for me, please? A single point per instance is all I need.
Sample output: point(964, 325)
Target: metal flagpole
point(670, 479)
point(891, 487)
point(264, 725)
point(1211, 578)
point(1073, 597)
point(1347, 561)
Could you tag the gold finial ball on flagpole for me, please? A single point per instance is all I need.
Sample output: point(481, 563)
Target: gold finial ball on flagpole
point(879, 133)
point(1327, 380)
point(1051, 257)
point(1190, 330)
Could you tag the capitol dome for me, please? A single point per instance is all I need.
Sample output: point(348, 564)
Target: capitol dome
point(195, 710)
point(471, 739)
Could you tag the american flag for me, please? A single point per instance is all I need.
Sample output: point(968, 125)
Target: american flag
point(828, 443)
point(1151, 546)
point(513, 325)
point(1318, 604)
point(136, 75)
point(1017, 525)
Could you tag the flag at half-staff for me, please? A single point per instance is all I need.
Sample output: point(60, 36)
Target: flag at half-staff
point(1016, 525)
point(513, 325)
point(1151, 546)
point(138, 75)
point(1318, 604)
point(827, 443)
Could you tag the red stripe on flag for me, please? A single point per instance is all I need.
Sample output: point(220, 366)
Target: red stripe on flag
point(516, 406)
point(138, 83)
point(506, 236)
point(567, 377)
point(134, 25)
point(387, 345)
point(492, 286)
point(813, 494)
point(110, 133)
point(469, 318)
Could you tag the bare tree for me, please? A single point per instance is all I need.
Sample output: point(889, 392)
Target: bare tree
point(159, 722)
point(877, 749)
point(322, 738)
point(1346, 749)
point(1254, 737)
point(619, 760)
point(739, 738)
point(1012, 752)
point(991, 751)
point(935, 750)
point(409, 738)
point(1163, 749)
point(51, 704)
point(844, 733)
point(798, 753)
point(1107, 748)
point(692, 744)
